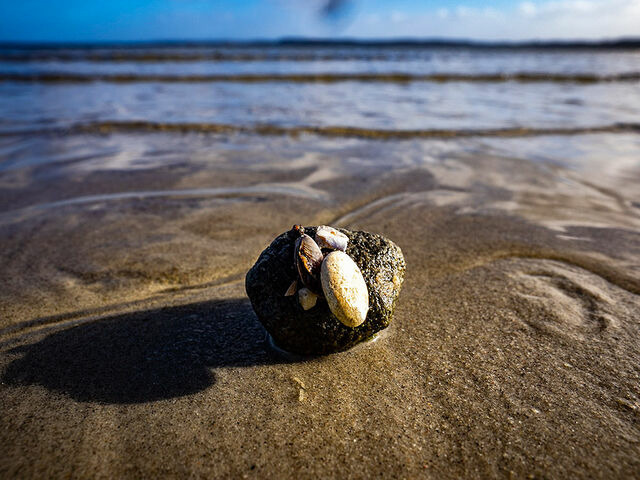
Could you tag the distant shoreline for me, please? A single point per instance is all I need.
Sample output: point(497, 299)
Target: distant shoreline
point(390, 77)
point(615, 44)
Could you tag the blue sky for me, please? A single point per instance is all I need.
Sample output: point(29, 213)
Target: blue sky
point(113, 20)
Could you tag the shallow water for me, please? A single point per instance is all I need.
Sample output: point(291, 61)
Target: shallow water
point(229, 60)
point(129, 348)
point(451, 106)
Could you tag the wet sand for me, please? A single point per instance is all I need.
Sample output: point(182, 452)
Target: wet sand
point(129, 348)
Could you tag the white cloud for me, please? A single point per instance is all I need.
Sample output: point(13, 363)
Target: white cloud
point(399, 17)
point(442, 13)
point(372, 18)
point(547, 19)
point(464, 11)
point(528, 9)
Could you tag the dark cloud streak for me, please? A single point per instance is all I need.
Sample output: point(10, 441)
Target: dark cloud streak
point(335, 9)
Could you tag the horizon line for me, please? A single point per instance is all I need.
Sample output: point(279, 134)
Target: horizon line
point(299, 41)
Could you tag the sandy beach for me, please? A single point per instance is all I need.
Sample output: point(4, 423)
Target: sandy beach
point(128, 347)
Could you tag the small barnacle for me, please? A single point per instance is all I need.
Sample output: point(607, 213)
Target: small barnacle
point(307, 298)
point(292, 288)
point(308, 259)
point(329, 237)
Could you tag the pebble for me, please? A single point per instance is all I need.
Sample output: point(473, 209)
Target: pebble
point(344, 289)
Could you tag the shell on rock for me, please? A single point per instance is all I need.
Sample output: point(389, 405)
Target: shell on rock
point(292, 288)
point(308, 258)
point(344, 289)
point(307, 298)
point(329, 237)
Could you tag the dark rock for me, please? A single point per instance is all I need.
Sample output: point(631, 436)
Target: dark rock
point(318, 331)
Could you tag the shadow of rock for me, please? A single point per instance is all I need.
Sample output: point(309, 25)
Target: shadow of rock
point(144, 356)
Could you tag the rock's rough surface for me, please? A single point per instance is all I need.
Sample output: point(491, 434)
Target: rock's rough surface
point(317, 330)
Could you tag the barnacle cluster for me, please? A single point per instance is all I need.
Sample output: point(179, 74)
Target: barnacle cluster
point(325, 271)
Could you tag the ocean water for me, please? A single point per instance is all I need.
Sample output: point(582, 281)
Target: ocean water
point(138, 184)
point(94, 109)
point(384, 88)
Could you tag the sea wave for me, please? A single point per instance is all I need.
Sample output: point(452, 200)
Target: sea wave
point(106, 127)
point(391, 77)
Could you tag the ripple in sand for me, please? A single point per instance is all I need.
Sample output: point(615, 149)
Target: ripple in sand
point(569, 301)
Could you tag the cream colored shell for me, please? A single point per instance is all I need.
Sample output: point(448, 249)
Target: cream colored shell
point(329, 237)
point(344, 288)
point(307, 298)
